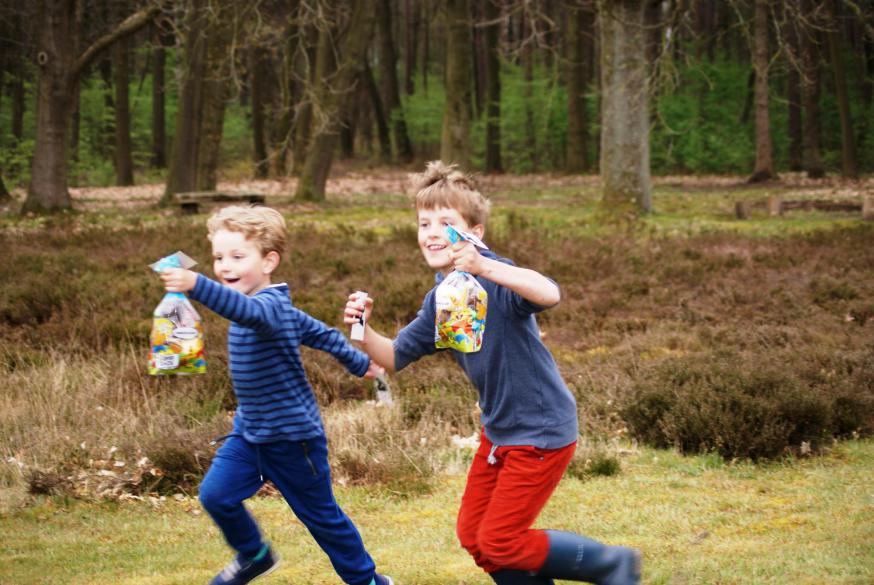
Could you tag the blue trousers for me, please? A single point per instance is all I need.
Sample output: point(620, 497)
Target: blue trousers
point(301, 473)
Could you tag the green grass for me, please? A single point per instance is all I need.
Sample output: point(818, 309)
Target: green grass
point(697, 520)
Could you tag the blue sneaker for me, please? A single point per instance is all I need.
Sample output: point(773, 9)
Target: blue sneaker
point(383, 580)
point(243, 570)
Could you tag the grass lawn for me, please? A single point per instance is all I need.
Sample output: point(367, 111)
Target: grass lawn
point(697, 520)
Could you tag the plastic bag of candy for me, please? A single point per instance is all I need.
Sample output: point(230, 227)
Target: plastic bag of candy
point(177, 331)
point(461, 304)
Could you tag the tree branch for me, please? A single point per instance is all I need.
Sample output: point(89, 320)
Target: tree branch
point(128, 26)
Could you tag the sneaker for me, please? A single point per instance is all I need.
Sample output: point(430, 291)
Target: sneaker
point(383, 579)
point(243, 570)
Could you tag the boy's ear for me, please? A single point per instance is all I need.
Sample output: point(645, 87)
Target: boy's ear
point(271, 261)
point(479, 230)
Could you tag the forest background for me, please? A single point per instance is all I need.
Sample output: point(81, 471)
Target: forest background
point(722, 366)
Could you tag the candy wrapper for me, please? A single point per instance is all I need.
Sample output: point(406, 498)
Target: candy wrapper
point(461, 304)
point(177, 331)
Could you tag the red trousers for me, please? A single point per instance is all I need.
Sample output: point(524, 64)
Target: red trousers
point(502, 500)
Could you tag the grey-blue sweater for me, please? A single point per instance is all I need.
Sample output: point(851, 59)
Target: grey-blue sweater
point(523, 399)
point(275, 401)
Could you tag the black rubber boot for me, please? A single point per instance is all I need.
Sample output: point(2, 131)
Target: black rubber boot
point(514, 577)
point(577, 558)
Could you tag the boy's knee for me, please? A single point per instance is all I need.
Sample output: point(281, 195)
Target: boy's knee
point(211, 498)
point(501, 550)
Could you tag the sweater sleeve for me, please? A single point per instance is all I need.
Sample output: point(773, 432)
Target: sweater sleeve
point(515, 302)
point(257, 312)
point(416, 340)
point(317, 335)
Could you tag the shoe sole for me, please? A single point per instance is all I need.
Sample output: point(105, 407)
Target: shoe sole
point(267, 572)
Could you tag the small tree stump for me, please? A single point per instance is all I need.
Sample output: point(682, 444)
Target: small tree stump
point(868, 208)
point(741, 210)
point(775, 206)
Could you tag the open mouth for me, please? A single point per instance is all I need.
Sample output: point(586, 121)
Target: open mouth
point(231, 280)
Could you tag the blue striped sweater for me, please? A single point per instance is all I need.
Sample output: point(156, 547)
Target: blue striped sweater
point(275, 401)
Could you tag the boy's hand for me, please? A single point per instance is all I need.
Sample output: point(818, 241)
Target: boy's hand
point(354, 309)
point(178, 280)
point(466, 258)
point(374, 370)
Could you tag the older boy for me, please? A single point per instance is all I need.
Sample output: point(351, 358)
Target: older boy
point(278, 433)
point(529, 416)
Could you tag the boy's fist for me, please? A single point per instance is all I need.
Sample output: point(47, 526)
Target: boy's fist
point(178, 280)
point(374, 370)
point(466, 258)
point(355, 309)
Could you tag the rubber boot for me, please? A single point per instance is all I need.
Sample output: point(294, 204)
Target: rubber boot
point(514, 577)
point(577, 558)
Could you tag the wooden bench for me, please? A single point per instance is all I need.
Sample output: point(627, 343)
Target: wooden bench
point(776, 206)
point(189, 203)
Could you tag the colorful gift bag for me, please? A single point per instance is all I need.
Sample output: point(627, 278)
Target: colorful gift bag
point(461, 304)
point(177, 331)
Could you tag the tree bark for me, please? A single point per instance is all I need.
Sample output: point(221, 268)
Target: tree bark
point(60, 68)
point(124, 165)
point(202, 97)
point(764, 169)
point(259, 72)
point(334, 99)
point(403, 150)
point(849, 167)
point(159, 134)
point(411, 39)
point(810, 95)
point(492, 37)
point(793, 95)
point(378, 110)
point(455, 140)
point(580, 23)
point(624, 165)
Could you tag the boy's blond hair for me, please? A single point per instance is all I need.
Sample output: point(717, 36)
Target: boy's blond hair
point(444, 186)
point(264, 226)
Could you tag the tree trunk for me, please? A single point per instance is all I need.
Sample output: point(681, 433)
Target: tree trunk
point(305, 65)
point(764, 169)
point(258, 72)
point(19, 103)
point(389, 77)
point(202, 97)
point(182, 174)
point(580, 22)
point(849, 167)
point(378, 110)
point(426, 43)
point(810, 96)
point(5, 196)
point(793, 95)
point(159, 135)
point(411, 39)
point(624, 110)
point(455, 140)
point(492, 37)
point(60, 67)
point(124, 165)
point(334, 99)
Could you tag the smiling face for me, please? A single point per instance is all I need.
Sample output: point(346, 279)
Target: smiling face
point(433, 241)
point(239, 264)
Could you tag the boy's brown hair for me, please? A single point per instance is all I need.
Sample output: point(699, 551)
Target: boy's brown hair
point(444, 186)
point(263, 225)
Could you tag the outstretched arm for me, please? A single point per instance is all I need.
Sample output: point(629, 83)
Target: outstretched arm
point(529, 284)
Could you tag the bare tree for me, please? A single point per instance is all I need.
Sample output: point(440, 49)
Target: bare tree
point(492, 13)
point(332, 98)
point(764, 170)
point(60, 66)
point(580, 27)
point(388, 76)
point(455, 140)
point(624, 108)
point(848, 143)
point(810, 88)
